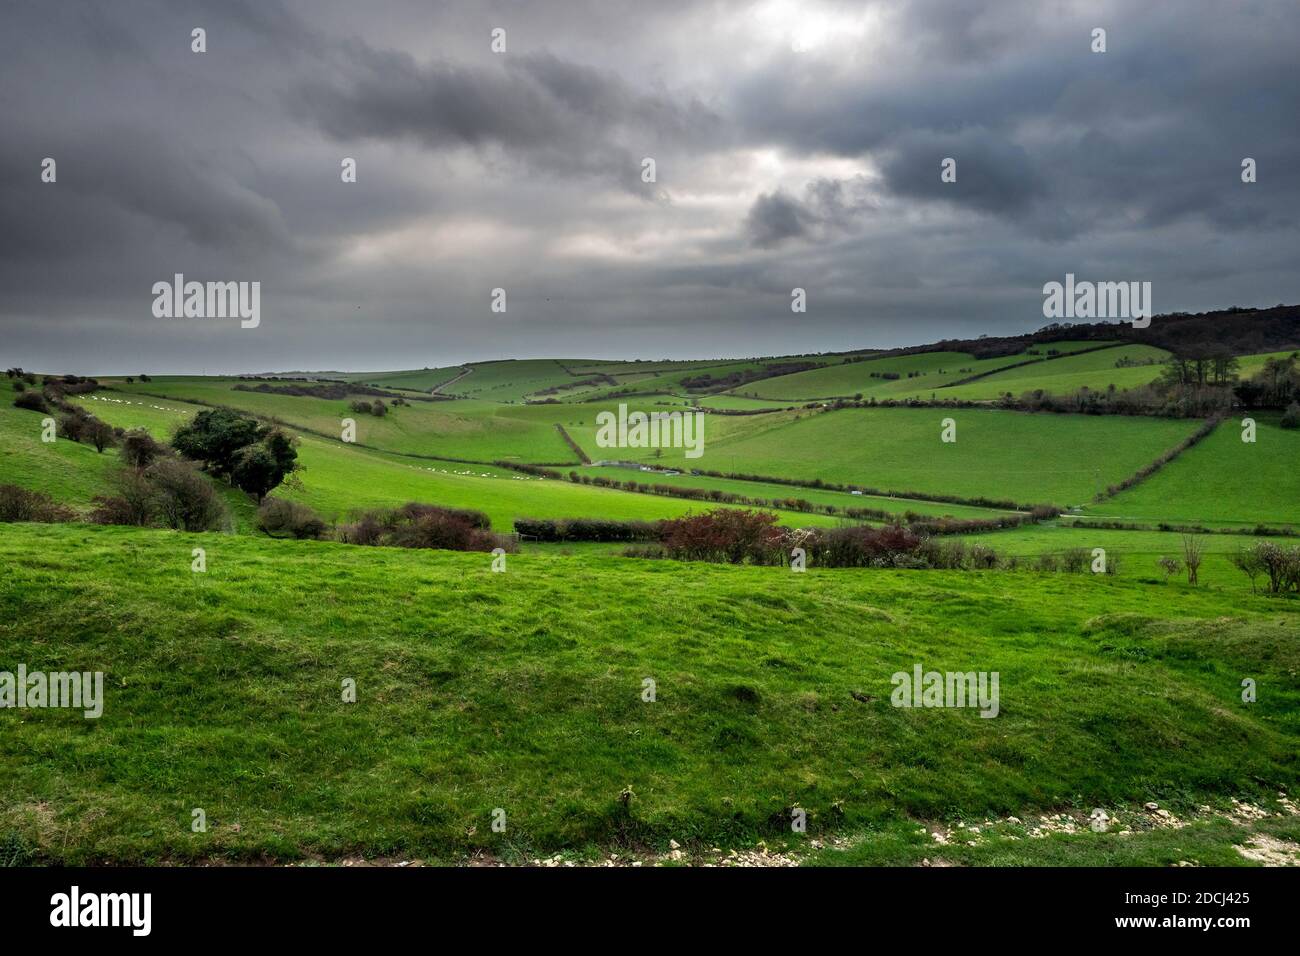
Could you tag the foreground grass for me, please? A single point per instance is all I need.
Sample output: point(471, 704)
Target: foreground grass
point(1212, 842)
point(522, 691)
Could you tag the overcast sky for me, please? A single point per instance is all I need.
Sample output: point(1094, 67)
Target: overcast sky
point(795, 144)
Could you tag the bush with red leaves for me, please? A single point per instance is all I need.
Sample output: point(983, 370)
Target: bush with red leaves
point(732, 535)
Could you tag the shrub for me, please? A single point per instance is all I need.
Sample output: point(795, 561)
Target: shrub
point(1249, 563)
point(32, 401)
point(587, 529)
point(140, 449)
point(20, 386)
point(1192, 557)
point(1074, 560)
point(861, 546)
point(367, 530)
point(183, 499)
point(278, 517)
point(436, 529)
point(724, 534)
point(1291, 417)
point(1169, 565)
point(416, 525)
point(73, 427)
point(1281, 565)
point(101, 435)
point(22, 504)
point(414, 509)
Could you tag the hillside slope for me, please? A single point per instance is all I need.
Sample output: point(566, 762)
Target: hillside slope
point(523, 691)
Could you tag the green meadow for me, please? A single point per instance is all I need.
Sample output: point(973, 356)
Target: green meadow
point(337, 479)
point(524, 691)
point(1222, 480)
point(772, 490)
point(1023, 457)
point(1094, 370)
point(1133, 553)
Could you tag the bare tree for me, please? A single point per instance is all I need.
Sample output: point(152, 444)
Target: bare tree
point(1249, 563)
point(1192, 557)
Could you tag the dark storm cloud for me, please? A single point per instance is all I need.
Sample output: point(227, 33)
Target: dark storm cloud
point(1047, 134)
point(776, 168)
point(829, 208)
point(775, 217)
point(557, 116)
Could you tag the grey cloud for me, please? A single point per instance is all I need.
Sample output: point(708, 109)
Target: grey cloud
point(774, 218)
point(478, 171)
point(559, 116)
point(829, 208)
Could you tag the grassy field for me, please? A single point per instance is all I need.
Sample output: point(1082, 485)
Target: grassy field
point(1134, 552)
point(337, 479)
point(67, 471)
point(480, 431)
point(421, 380)
point(1222, 480)
point(1061, 376)
point(739, 402)
point(1026, 458)
point(849, 378)
point(522, 691)
point(763, 489)
point(920, 374)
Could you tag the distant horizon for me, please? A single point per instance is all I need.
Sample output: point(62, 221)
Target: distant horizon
point(451, 363)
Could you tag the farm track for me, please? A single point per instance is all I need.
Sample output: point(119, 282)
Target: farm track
point(438, 389)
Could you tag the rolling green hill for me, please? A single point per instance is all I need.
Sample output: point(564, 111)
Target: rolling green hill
point(1061, 376)
point(917, 375)
point(523, 691)
point(337, 479)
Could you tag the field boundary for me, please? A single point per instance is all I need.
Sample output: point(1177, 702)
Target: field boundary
point(438, 389)
point(1142, 474)
point(962, 381)
point(577, 449)
point(994, 505)
point(1034, 361)
point(1169, 527)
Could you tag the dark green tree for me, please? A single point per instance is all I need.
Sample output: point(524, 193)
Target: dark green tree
point(215, 437)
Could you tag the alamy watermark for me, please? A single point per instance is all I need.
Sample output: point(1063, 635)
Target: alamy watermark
point(208, 300)
point(656, 430)
point(82, 691)
point(951, 689)
point(1098, 300)
point(75, 908)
